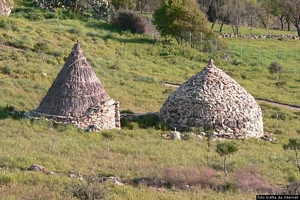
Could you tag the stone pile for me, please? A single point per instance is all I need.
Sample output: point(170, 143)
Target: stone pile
point(212, 100)
point(279, 37)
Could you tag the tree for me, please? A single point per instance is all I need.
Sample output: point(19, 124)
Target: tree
point(215, 11)
point(101, 9)
point(292, 9)
point(237, 10)
point(294, 144)
point(277, 11)
point(141, 4)
point(275, 68)
point(179, 18)
point(123, 4)
point(263, 12)
point(225, 149)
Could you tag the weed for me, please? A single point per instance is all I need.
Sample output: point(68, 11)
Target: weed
point(91, 189)
point(293, 189)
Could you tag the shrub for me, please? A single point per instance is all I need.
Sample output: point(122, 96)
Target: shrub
point(178, 177)
point(126, 111)
point(248, 178)
point(6, 70)
point(41, 46)
point(132, 21)
point(124, 122)
point(293, 189)
point(133, 126)
point(237, 62)
point(5, 179)
point(91, 189)
point(275, 67)
point(207, 175)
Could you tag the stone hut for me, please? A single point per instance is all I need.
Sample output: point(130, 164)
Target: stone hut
point(213, 100)
point(78, 97)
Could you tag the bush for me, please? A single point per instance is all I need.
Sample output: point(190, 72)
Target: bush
point(189, 176)
point(91, 189)
point(293, 189)
point(207, 175)
point(129, 20)
point(248, 178)
point(6, 70)
point(133, 126)
point(237, 62)
point(275, 67)
point(174, 176)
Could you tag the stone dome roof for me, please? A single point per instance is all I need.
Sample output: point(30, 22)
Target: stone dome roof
point(212, 99)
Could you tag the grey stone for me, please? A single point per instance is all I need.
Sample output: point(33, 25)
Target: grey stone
point(213, 99)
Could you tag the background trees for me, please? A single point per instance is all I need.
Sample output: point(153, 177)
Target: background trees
point(183, 17)
point(291, 8)
point(180, 18)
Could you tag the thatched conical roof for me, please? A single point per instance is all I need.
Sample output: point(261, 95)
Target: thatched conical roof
point(212, 98)
point(75, 89)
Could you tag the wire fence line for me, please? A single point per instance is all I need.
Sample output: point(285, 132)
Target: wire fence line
point(253, 54)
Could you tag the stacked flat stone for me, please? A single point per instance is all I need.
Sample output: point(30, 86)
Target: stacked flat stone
point(213, 100)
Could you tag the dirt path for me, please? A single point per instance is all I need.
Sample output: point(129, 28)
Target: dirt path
point(287, 106)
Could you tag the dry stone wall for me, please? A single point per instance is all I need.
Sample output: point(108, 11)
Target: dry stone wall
point(213, 100)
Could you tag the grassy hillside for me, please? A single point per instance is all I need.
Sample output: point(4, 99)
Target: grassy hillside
point(133, 69)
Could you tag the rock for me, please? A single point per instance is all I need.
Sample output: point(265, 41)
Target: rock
point(40, 168)
point(175, 135)
point(185, 187)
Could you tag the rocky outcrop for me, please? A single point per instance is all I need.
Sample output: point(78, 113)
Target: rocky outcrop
point(213, 100)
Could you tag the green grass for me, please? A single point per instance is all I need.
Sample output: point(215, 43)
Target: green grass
point(132, 69)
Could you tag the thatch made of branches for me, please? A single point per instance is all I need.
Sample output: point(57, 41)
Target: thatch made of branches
point(75, 89)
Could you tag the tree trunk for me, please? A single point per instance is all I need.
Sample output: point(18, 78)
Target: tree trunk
point(233, 29)
point(280, 17)
point(225, 168)
point(221, 27)
point(298, 29)
point(212, 25)
point(297, 158)
point(288, 24)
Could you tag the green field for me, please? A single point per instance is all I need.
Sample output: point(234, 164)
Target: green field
point(133, 70)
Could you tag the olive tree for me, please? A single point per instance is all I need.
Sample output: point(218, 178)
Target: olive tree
point(275, 68)
point(180, 18)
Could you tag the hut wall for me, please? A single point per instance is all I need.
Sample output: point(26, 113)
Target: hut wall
point(103, 117)
point(107, 117)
